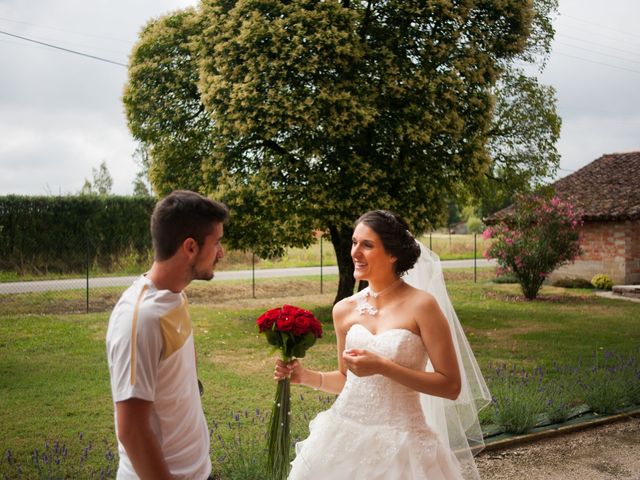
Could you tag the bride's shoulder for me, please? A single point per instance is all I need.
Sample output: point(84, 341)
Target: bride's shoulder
point(344, 307)
point(422, 300)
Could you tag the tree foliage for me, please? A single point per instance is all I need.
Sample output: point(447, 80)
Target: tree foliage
point(102, 182)
point(303, 115)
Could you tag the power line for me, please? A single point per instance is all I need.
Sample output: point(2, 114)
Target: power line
point(65, 30)
point(597, 44)
point(597, 63)
point(598, 53)
point(617, 30)
point(65, 49)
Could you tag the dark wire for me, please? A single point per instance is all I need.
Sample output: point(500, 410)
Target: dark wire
point(64, 49)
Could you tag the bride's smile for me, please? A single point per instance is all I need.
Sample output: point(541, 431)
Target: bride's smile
point(370, 259)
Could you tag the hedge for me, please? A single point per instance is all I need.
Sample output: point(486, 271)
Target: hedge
point(56, 234)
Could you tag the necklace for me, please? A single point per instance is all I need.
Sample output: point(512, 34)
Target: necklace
point(363, 306)
point(373, 294)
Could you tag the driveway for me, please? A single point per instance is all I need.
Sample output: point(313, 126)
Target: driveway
point(607, 452)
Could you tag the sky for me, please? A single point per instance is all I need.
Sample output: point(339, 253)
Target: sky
point(61, 114)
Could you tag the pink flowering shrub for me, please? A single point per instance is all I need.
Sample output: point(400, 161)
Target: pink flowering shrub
point(538, 236)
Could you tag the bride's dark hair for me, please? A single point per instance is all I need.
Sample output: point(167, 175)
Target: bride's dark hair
point(395, 236)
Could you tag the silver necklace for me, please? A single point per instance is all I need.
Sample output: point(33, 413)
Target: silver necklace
point(363, 306)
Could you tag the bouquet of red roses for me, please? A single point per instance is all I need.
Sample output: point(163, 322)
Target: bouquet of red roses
point(291, 330)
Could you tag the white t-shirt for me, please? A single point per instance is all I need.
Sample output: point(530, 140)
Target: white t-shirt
point(151, 356)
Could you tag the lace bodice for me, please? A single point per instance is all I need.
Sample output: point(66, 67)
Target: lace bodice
point(376, 399)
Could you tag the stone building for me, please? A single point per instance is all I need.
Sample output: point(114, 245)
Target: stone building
point(608, 190)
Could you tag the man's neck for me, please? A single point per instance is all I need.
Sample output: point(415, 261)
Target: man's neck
point(166, 276)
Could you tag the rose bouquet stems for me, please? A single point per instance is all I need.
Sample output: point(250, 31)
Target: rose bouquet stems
point(279, 431)
point(291, 330)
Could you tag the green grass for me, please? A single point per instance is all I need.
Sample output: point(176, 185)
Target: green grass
point(54, 380)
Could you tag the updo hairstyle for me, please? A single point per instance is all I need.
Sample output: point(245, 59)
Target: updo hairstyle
point(395, 236)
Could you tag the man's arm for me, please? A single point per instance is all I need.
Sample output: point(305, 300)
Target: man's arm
point(139, 441)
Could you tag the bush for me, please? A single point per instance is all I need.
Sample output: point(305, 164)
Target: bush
point(535, 238)
point(505, 277)
point(475, 225)
point(59, 234)
point(602, 281)
point(604, 389)
point(558, 405)
point(517, 400)
point(572, 283)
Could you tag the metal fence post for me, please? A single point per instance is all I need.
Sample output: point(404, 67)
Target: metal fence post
point(87, 241)
point(321, 264)
point(475, 262)
point(430, 234)
point(253, 274)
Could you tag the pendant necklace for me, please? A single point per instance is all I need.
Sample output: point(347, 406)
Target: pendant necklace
point(363, 306)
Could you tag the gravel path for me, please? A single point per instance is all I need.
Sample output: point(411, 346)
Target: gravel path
point(606, 452)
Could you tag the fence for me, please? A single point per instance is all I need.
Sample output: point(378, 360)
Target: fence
point(242, 276)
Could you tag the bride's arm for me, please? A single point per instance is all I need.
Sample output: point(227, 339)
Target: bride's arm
point(332, 382)
point(444, 381)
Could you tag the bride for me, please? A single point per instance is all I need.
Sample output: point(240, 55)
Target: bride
point(409, 386)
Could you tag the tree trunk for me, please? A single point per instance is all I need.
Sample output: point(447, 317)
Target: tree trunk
point(341, 240)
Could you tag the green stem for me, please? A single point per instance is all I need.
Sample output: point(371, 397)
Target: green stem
point(279, 432)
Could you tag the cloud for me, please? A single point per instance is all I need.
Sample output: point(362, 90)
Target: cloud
point(57, 151)
point(62, 114)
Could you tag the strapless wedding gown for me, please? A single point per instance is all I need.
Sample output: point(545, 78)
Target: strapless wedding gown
point(376, 429)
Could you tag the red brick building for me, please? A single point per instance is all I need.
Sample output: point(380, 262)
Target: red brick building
point(608, 190)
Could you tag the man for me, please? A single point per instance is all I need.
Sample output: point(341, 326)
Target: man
point(161, 428)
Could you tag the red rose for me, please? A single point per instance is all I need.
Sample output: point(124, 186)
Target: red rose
point(316, 327)
point(302, 324)
point(267, 319)
point(284, 323)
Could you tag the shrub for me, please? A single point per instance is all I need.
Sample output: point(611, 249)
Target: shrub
point(602, 281)
point(475, 225)
point(60, 233)
point(517, 400)
point(572, 283)
point(558, 404)
point(505, 277)
point(604, 389)
point(535, 238)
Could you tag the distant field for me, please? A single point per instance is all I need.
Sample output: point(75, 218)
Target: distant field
point(448, 247)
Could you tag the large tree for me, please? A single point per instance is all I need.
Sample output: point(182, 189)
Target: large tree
point(302, 115)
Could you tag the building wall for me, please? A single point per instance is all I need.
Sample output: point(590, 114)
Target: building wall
point(633, 252)
point(612, 248)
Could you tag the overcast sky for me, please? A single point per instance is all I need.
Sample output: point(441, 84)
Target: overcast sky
point(61, 114)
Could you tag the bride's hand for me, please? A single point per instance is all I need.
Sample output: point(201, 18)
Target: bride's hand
point(291, 369)
point(362, 363)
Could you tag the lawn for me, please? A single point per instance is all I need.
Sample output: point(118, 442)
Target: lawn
point(54, 387)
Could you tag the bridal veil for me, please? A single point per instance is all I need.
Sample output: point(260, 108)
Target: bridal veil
point(455, 421)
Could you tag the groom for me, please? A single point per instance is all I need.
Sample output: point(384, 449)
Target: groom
point(161, 429)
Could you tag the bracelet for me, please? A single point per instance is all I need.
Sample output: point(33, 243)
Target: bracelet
point(321, 381)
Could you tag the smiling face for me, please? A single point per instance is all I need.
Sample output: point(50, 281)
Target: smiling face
point(209, 255)
point(370, 259)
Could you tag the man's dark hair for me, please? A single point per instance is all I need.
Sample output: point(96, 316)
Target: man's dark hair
point(180, 215)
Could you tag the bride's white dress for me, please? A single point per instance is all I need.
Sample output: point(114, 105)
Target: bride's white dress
point(376, 428)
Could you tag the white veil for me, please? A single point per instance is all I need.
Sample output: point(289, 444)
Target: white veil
point(455, 421)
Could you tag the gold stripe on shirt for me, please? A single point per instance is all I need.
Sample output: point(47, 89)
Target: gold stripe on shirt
point(176, 328)
point(134, 334)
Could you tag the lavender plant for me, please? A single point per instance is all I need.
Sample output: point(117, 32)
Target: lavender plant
point(517, 400)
